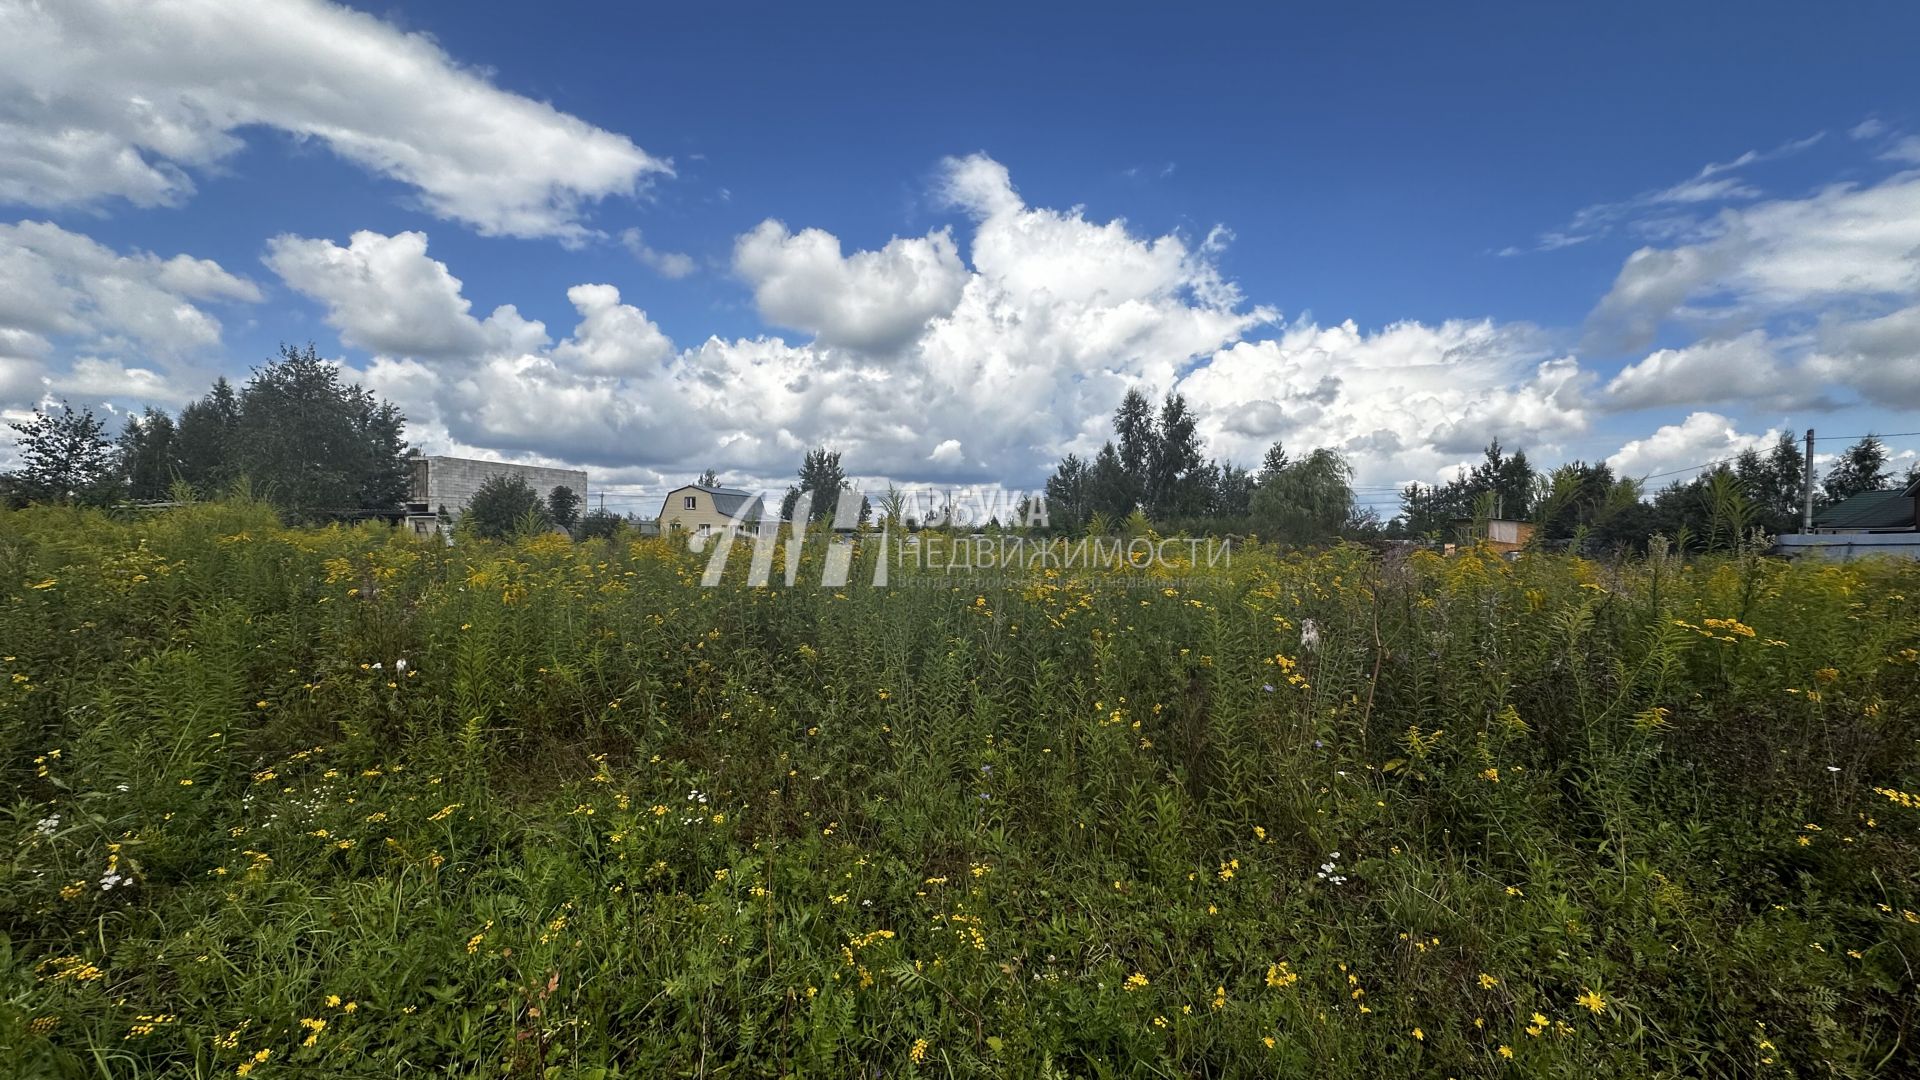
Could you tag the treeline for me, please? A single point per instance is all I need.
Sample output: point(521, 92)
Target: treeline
point(319, 449)
point(1155, 471)
point(316, 448)
point(1587, 506)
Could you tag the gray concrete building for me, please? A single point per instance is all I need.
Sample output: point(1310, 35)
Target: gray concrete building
point(447, 483)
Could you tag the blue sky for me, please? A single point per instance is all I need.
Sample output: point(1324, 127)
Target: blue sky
point(1031, 210)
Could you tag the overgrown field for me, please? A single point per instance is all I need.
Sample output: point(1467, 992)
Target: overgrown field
point(337, 802)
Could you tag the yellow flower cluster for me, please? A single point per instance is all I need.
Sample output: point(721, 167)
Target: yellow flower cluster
point(1899, 798)
point(144, 1025)
point(70, 969)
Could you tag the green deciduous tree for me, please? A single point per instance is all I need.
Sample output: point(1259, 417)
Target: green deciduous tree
point(1306, 501)
point(317, 447)
point(1862, 467)
point(563, 506)
point(64, 457)
point(504, 506)
point(148, 454)
point(599, 522)
point(1774, 483)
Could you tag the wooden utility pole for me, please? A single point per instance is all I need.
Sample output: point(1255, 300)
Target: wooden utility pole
point(1806, 488)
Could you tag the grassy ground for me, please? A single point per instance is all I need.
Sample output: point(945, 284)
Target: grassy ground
point(1550, 818)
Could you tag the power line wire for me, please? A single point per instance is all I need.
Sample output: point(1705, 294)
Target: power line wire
point(1869, 435)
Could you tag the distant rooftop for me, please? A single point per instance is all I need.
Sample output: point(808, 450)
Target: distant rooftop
point(1889, 509)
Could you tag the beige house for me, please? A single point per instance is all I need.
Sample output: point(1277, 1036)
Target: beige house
point(695, 510)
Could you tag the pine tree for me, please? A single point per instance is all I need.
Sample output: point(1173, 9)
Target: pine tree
point(205, 440)
point(1273, 464)
point(1110, 492)
point(1067, 494)
point(1133, 426)
point(822, 476)
point(1176, 476)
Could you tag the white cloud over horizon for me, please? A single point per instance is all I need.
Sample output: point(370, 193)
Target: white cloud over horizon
point(1701, 438)
point(981, 353)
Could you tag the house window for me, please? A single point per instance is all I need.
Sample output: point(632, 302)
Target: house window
point(691, 502)
point(706, 529)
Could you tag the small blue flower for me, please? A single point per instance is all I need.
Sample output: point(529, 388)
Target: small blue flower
point(1268, 687)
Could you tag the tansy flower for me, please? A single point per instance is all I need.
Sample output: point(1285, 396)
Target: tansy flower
point(918, 1053)
point(1135, 981)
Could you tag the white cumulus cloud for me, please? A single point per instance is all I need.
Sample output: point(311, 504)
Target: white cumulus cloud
point(872, 300)
point(128, 99)
point(1845, 260)
point(62, 292)
point(1701, 438)
point(1405, 402)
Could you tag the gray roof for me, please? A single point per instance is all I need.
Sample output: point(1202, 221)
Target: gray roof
point(728, 501)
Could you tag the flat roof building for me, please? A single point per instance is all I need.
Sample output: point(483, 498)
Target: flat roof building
point(449, 483)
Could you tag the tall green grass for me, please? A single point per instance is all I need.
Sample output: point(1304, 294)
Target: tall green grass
point(1546, 818)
